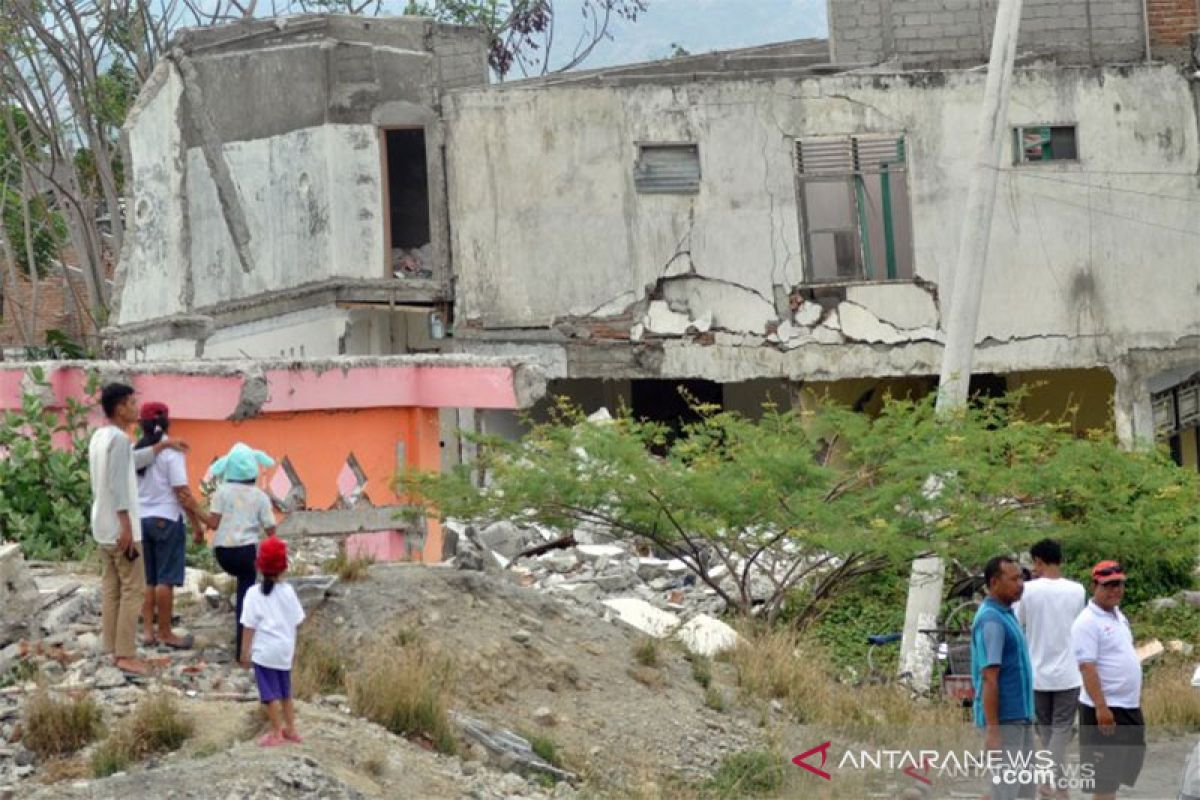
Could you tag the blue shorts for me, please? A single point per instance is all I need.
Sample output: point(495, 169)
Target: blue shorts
point(273, 684)
point(163, 548)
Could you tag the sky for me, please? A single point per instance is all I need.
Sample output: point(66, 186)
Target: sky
point(698, 26)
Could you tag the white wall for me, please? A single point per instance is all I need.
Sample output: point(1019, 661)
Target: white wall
point(1089, 261)
point(155, 249)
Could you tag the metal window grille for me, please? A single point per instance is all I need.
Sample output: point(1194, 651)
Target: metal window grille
point(667, 169)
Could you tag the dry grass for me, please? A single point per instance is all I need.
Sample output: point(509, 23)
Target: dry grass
point(57, 770)
point(701, 669)
point(647, 676)
point(405, 688)
point(55, 727)
point(1168, 699)
point(777, 664)
point(157, 725)
point(320, 665)
point(714, 698)
point(646, 652)
point(346, 568)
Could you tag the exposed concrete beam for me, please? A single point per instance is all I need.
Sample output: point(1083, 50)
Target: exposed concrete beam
point(267, 305)
point(210, 144)
point(345, 521)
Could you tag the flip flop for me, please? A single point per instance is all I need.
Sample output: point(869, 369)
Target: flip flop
point(271, 740)
point(293, 737)
point(152, 642)
point(185, 643)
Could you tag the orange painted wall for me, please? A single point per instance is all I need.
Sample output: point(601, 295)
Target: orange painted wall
point(317, 444)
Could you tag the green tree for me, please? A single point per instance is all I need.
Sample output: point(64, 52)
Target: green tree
point(521, 33)
point(799, 507)
point(45, 492)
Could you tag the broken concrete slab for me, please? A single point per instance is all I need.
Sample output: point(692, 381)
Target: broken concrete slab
point(641, 616)
point(19, 598)
point(594, 552)
point(861, 325)
point(707, 636)
point(730, 306)
point(660, 319)
point(903, 305)
point(312, 589)
point(505, 538)
point(808, 315)
point(509, 751)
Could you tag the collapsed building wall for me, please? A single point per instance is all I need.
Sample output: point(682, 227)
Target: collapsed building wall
point(721, 275)
point(284, 164)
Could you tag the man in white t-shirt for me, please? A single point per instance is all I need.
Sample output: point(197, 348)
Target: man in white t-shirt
point(1047, 610)
point(1112, 729)
point(116, 522)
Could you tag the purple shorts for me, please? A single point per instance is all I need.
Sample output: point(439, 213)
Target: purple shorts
point(273, 684)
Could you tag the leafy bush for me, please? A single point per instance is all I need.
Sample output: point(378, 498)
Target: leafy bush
point(825, 500)
point(45, 493)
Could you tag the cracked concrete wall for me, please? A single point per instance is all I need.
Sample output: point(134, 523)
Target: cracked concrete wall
point(157, 241)
point(288, 131)
point(549, 227)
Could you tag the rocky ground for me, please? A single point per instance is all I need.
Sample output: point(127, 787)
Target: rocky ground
point(538, 646)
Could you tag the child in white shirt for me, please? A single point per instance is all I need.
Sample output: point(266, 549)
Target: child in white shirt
point(270, 614)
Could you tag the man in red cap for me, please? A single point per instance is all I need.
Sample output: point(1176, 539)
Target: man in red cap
point(1112, 731)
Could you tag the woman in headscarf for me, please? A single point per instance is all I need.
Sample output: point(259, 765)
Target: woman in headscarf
point(241, 515)
point(163, 499)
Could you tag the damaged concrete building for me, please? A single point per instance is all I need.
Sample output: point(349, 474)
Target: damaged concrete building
point(770, 223)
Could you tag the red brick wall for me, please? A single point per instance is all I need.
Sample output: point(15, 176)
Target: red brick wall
point(56, 309)
point(1172, 21)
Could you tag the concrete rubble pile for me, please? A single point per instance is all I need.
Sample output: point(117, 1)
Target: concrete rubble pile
point(659, 597)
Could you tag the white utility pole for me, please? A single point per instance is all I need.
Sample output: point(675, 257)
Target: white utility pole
point(963, 287)
point(961, 292)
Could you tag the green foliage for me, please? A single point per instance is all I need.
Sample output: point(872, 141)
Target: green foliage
point(746, 774)
point(645, 652)
point(545, 748)
point(1181, 622)
point(45, 492)
point(874, 606)
point(701, 669)
point(831, 496)
point(59, 346)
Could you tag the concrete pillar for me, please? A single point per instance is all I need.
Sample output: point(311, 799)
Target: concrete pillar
point(1133, 415)
point(921, 613)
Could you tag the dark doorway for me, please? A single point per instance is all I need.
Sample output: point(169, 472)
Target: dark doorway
point(408, 204)
point(670, 401)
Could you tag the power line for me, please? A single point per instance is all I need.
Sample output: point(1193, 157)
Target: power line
point(1082, 185)
point(1092, 210)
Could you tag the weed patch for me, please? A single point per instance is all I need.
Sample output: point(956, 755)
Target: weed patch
point(320, 665)
point(405, 690)
point(157, 725)
point(746, 774)
point(56, 727)
point(646, 652)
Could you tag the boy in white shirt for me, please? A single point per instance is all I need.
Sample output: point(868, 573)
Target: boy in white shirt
point(1048, 608)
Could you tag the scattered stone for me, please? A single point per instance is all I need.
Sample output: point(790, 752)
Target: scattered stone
point(1150, 650)
point(544, 716)
point(109, 678)
point(707, 636)
point(522, 637)
point(504, 538)
point(642, 616)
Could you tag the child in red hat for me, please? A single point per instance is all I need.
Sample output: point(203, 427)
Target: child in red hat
point(270, 614)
